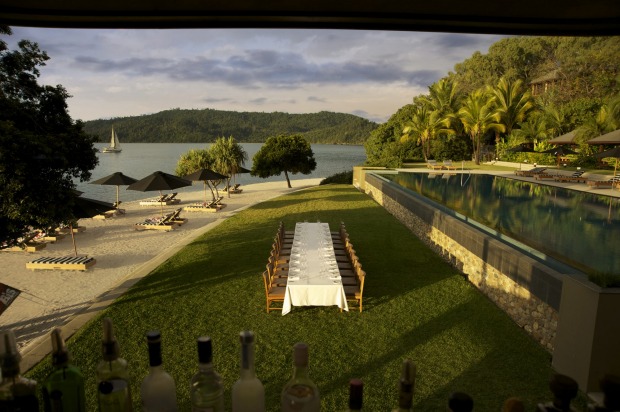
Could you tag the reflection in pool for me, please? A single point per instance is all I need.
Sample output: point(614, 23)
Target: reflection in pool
point(577, 228)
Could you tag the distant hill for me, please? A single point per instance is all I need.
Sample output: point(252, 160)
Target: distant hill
point(204, 126)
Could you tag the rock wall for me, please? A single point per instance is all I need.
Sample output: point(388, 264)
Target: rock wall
point(514, 291)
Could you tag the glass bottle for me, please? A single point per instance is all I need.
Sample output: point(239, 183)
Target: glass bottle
point(406, 386)
point(158, 389)
point(17, 394)
point(207, 390)
point(248, 393)
point(356, 395)
point(564, 390)
point(63, 389)
point(300, 394)
point(113, 394)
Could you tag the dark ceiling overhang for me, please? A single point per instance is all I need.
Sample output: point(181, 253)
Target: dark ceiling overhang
point(536, 17)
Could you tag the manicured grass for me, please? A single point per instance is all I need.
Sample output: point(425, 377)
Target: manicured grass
point(415, 305)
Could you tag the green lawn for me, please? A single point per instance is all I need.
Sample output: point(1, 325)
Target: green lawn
point(415, 305)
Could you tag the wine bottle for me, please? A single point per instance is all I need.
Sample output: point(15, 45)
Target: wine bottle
point(460, 402)
point(248, 393)
point(356, 395)
point(113, 394)
point(207, 390)
point(158, 390)
point(406, 386)
point(63, 389)
point(300, 394)
point(564, 390)
point(17, 394)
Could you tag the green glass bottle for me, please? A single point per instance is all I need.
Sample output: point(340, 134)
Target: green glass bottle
point(406, 386)
point(112, 376)
point(63, 389)
point(17, 394)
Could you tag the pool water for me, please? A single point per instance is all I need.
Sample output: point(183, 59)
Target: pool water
point(579, 229)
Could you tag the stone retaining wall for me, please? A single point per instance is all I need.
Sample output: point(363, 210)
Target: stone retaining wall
point(526, 290)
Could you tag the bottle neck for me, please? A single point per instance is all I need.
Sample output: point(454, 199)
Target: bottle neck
point(205, 367)
point(300, 372)
point(247, 361)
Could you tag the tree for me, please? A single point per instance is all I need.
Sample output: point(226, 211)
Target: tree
point(512, 102)
point(284, 154)
point(425, 125)
point(478, 116)
point(42, 150)
point(194, 160)
point(228, 157)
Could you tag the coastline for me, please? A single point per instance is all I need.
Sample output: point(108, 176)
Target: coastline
point(68, 299)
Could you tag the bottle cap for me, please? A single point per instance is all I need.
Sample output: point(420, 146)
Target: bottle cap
point(246, 337)
point(60, 354)
point(205, 350)
point(109, 345)
point(300, 354)
point(9, 355)
point(356, 392)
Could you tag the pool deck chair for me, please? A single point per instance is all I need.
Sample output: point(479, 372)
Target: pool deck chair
point(575, 177)
point(62, 263)
point(235, 189)
point(531, 172)
point(447, 164)
point(208, 207)
point(432, 164)
point(595, 184)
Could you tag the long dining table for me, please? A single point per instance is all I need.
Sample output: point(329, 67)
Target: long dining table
point(314, 278)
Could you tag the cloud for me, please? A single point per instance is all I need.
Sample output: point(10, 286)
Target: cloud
point(258, 101)
point(316, 99)
point(217, 100)
point(263, 68)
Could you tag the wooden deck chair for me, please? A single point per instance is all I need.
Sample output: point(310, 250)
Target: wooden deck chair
point(355, 293)
point(272, 294)
point(447, 164)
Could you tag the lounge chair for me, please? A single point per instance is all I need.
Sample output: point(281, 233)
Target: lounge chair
point(208, 207)
point(172, 199)
point(25, 244)
point(61, 263)
point(575, 177)
point(531, 172)
point(447, 164)
point(545, 175)
point(595, 184)
point(432, 164)
point(235, 188)
point(175, 218)
point(163, 200)
point(155, 224)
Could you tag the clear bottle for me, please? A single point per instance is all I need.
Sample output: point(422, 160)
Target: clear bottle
point(207, 390)
point(17, 394)
point(356, 395)
point(113, 394)
point(300, 394)
point(158, 390)
point(406, 386)
point(63, 389)
point(248, 393)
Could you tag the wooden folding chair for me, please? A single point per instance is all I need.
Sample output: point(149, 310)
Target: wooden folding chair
point(272, 294)
point(355, 293)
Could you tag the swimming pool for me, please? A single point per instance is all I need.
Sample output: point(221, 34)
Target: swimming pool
point(579, 229)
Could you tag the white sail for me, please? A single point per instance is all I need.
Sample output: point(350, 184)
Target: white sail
point(115, 146)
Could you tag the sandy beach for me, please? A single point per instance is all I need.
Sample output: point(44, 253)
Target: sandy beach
point(67, 298)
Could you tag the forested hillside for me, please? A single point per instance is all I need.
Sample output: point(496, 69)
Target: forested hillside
point(203, 126)
point(524, 90)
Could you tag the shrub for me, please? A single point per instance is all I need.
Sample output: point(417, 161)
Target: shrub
point(345, 178)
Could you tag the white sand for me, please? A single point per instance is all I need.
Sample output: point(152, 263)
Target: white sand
point(51, 298)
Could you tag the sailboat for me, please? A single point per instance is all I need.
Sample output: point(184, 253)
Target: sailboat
point(115, 146)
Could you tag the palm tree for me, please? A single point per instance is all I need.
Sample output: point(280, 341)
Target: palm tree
point(478, 115)
point(193, 160)
point(512, 102)
point(425, 124)
point(228, 157)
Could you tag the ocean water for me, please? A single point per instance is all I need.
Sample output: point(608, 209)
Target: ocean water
point(138, 160)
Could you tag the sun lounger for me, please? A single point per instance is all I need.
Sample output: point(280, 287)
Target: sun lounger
point(155, 224)
point(105, 215)
point(595, 184)
point(201, 207)
point(172, 199)
point(545, 175)
point(531, 172)
point(235, 189)
point(447, 164)
point(163, 200)
point(432, 164)
point(26, 244)
point(575, 177)
point(175, 218)
point(61, 263)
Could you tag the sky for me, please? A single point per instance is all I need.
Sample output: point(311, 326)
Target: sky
point(119, 73)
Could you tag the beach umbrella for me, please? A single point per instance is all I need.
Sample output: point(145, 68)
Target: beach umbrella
point(609, 138)
point(615, 152)
point(115, 179)
point(567, 138)
point(84, 207)
point(159, 181)
point(522, 148)
point(205, 175)
point(559, 151)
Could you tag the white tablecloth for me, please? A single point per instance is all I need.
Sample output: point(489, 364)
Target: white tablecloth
point(314, 278)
